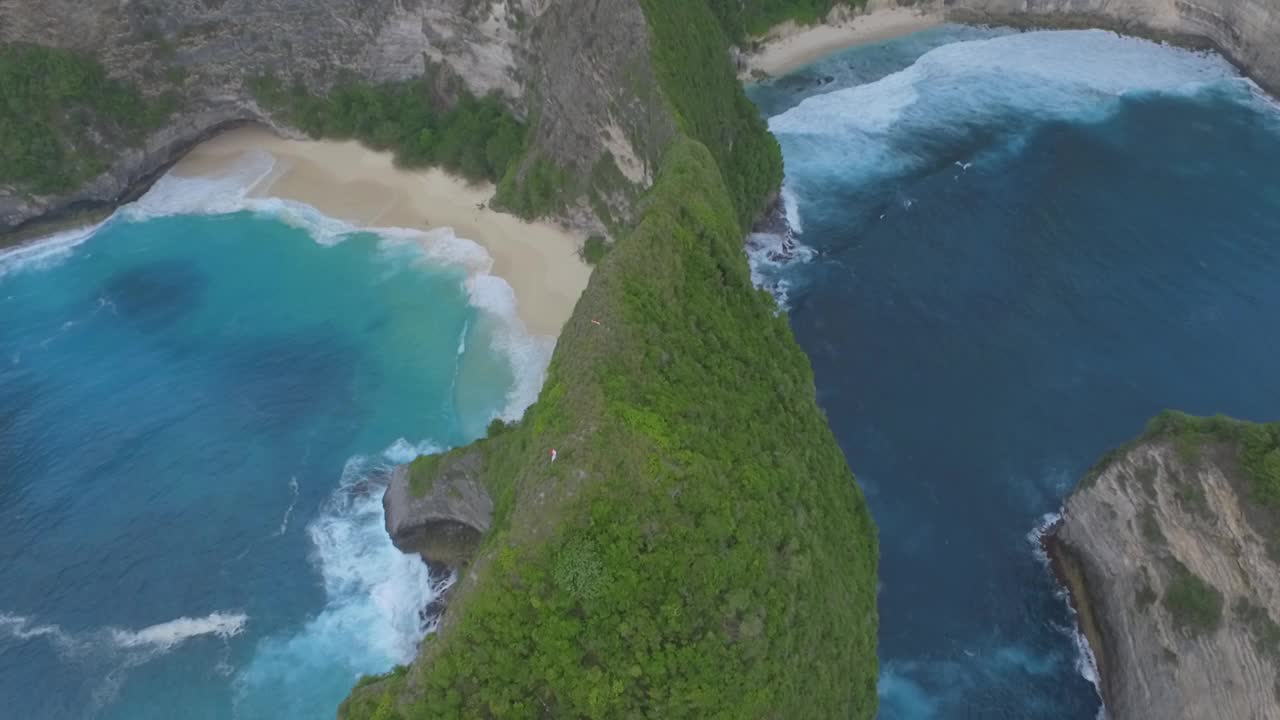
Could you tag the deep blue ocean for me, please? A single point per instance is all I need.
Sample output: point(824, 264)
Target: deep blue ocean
point(1020, 247)
point(199, 403)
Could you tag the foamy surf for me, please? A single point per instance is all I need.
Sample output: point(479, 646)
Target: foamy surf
point(158, 638)
point(107, 655)
point(885, 129)
point(1085, 662)
point(375, 614)
point(771, 255)
point(44, 252)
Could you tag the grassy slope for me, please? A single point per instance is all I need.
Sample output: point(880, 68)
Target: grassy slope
point(700, 548)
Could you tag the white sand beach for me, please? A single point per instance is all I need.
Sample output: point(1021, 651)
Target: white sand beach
point(348, 181)
point(790, 46)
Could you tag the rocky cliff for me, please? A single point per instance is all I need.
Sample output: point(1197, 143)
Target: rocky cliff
point(578, 70)
point(440, 510)
point(1170, 549)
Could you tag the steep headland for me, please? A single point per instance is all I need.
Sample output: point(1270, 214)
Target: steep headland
point(698, 548)
point(1171, 550)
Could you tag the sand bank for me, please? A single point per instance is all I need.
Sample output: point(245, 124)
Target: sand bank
point(348, 181)
point(790, 46)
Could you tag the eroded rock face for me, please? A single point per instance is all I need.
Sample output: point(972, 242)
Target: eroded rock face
point(443, 517)
point(1176, 588)
point(577, 68)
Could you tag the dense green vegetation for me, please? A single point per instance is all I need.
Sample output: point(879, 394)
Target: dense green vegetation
point(690, 58)
point(743, 18)
point(700, 548)
point(1265, 631)
point(1258, 446)
point(61, 117)
point(705, 553)
point(1193, 604)
point(594, 248)
point(477, 138)
point(541, 189)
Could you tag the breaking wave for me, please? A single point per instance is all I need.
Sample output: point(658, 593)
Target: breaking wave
point(108, 654)
point(375, 613)
point(974, 93)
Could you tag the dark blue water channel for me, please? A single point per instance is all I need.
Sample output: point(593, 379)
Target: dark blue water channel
point(1023, 247)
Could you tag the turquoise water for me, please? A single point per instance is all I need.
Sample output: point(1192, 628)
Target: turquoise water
point(197, 416)
point(1016, 249)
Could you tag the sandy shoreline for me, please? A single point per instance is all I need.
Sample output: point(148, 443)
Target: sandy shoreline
point(789, 47)
point(348, 181)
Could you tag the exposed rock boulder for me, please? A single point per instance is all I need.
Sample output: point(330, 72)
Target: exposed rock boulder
point(1174, 572)
point(438, 506)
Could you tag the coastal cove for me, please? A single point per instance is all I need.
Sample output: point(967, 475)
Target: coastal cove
point(1023, 276)
point(245, 373)
point(994, 253)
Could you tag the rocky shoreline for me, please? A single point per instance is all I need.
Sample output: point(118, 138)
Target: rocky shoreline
point(1174, 581)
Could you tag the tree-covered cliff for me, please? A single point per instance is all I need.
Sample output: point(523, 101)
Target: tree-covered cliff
point(699, 548)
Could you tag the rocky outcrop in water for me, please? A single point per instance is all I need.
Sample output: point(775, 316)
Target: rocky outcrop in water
point(1176, 577)
point(579, 70)
point(438, 507)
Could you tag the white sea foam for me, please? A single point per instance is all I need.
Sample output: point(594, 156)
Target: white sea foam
point(529, 355)
point(284, 522)
point(373, 615)
point(402, 451)
point(45, 252)
point(154, 639)
point(1086, 663)
point(771, 258)
point(973, 97)
point(791, 204)
point(168, 635)
point(108, 654)
point(1050, 73)
point(885, 128)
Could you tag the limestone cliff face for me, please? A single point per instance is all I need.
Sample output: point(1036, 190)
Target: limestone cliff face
point(578, 69)
point(1246, 31)
point(1177, 591)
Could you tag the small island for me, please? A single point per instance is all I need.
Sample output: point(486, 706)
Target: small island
point(1170, 547)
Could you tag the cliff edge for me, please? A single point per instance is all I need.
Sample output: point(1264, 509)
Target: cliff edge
point(1171, 550)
